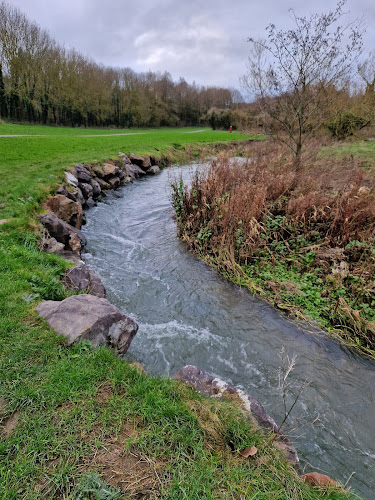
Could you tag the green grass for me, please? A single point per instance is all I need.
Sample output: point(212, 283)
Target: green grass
point(71, 406)
point(362, 150)
point(29, 166)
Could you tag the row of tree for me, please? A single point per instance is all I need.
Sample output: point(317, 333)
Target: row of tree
point(42, 82)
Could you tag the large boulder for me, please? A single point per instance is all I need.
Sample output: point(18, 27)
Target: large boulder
point(66, 209)
point(83, 279)
point(72, 238)
point(86, 317)
point(217, 388)
point(142, 161)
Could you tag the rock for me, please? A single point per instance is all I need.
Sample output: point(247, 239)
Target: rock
point(287, 449)
point(51, 245)
point(124, 158)
point(64, 233)
point(96, 188)
point(63, 190)
point(90, 203)
point(134, 171)
point(88, 167)
point(103, 184)
point(142, 161)
point(153, 170)
point(86, 317)
point(75, 243)
point(217, 388)
point(155, 161)
point(83, 174)
point(81, 278)
point(114, 182)
point(66, 209)
point(78, 195)
point(71, 179)
point(4, 221)
point(210, 386)
point(75, 195)
point(98, 170)
point(316, 479)
point(87, 190)
point(110, 169)
point(72, 257)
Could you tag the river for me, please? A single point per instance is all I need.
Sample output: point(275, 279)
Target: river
point(187, 314)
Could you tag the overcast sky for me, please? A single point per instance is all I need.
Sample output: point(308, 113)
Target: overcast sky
point(202, 40)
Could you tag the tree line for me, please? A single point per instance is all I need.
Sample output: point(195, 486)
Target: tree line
point(43, 82)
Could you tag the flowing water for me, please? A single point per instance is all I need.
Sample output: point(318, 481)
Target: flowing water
point(188, 315)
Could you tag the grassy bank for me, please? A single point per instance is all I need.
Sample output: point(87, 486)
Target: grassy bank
point(302, 239)
point(79, 423)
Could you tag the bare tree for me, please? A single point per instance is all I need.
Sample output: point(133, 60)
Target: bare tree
point(366, 71)
point(290, 72)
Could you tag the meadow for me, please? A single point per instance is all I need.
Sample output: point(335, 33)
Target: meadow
point(78, 422)
point(29, 164)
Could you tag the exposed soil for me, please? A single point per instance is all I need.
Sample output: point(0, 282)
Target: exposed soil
point(129, 471)
point(7, 424)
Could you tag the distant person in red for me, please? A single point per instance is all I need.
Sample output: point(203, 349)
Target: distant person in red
point(230, 129)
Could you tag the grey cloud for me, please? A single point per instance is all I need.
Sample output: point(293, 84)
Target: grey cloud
point(203, 41)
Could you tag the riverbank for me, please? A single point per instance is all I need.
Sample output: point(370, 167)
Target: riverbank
point(301, 239)
point(79, 420)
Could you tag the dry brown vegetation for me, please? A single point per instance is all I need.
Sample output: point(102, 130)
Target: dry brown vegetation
point(311, 227)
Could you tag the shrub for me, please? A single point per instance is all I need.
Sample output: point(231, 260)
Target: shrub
point(263, 211)
point(346, 124)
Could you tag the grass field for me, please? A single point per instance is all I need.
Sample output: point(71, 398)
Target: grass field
point(364, 150)
point(29, 163)
point(73, 420)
